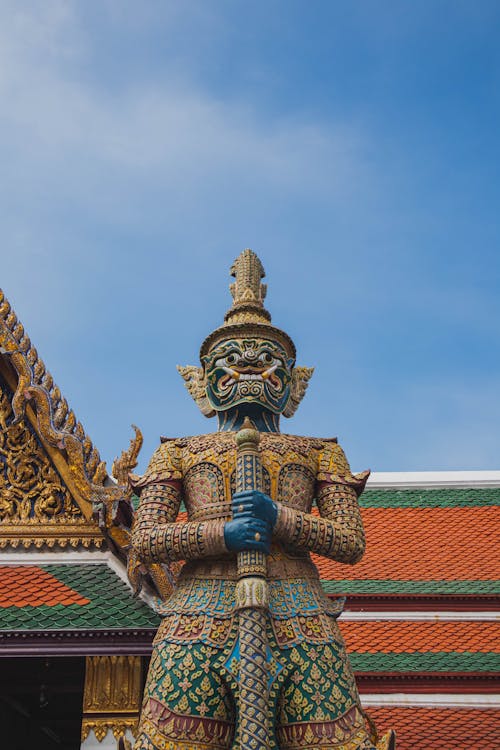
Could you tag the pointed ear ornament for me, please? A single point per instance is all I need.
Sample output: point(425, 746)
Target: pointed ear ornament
point(300, 380)
point(194, 380)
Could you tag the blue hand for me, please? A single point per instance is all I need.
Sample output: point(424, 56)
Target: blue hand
point(247, 533)
point(256, 504)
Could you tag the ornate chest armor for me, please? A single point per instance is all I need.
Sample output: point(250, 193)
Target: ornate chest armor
point(200, 472)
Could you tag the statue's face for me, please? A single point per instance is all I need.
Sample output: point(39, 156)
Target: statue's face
point(239, 371)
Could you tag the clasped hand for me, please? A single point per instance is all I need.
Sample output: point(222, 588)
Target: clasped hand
point(254, 516)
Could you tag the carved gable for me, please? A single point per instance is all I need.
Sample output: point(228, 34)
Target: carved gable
point(36, 507)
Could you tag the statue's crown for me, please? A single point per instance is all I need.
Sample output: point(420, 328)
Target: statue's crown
point(248, 292)
point(248, 317)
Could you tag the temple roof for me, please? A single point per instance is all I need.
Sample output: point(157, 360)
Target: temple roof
point(16, 344)
point(439, 728)
point(422, 604)
point(432, 646)
point(411, 637)
point(419, 542)
point(67, 602)
point(60, 596)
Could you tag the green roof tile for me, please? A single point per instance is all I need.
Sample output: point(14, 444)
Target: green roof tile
point(425, 662)
point(111, 604)
point(375, 586)
point(447, 497)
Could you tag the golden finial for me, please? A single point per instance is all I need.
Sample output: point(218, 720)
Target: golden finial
point(247, 291)
point(248, 271)
point(248, 436)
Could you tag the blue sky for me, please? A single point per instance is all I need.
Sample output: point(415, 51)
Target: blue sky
point(353, 146)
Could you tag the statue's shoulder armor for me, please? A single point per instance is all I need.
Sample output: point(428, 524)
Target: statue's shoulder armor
point(332, 459)
point(333, 466)
point(165, 463)
point(178, 442)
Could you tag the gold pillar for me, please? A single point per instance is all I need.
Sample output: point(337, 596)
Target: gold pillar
point(112, 695)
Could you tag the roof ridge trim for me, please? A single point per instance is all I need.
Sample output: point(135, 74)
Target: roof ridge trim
point(432, 479)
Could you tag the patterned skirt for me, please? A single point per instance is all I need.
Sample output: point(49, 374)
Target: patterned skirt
point(191, 695)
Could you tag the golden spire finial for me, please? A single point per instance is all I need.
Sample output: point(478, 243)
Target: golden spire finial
point(248, 271)
point(247, 291)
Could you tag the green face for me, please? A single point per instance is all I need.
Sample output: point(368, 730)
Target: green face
point(256, 371)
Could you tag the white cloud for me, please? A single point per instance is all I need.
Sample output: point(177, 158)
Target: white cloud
point(149, 154)
point(174, 135)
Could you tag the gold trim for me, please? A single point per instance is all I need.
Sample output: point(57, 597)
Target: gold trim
point(112, 695)
point(52, 533)
point(112, 684)
point(102, 726)
point(64, 471)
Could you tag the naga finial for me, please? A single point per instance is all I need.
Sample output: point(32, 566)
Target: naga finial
point(123, 465)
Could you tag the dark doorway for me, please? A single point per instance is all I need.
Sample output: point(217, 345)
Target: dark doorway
point(41, 702)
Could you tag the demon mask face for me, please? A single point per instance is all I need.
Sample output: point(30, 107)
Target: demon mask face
point(249, 370)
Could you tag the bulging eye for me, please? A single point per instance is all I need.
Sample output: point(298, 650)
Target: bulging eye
point(231, 359)
point(267, 357)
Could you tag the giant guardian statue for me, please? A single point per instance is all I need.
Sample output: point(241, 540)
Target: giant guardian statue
point(249, 654)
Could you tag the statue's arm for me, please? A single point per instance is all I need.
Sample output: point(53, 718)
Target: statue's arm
point(157, 535)
point(338, 532)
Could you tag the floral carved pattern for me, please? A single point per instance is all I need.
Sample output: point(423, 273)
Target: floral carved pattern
point(32, 495)
point(29, 486)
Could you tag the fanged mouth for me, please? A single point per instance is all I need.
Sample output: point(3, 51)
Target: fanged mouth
point(235, 375)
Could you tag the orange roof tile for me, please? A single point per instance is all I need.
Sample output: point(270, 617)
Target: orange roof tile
point(399, 636)
point(424, 544)
point(30, 586)
point(439, 728)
